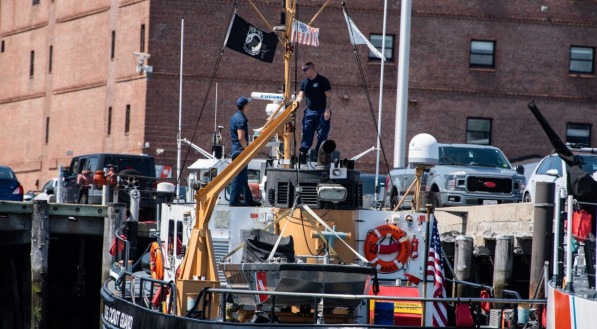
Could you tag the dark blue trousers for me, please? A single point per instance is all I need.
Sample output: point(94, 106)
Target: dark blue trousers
point(313, 121)
point(240, 185)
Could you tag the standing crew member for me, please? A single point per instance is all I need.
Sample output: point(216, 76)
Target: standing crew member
point(317, 116)
point(239, 134)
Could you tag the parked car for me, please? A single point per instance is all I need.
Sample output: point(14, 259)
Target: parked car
point(10, 188)
point(551, 169)
point(466, 174)
point(136, 171)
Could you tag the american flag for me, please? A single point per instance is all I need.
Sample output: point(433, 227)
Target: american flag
point(435, 268)
point(305, 34)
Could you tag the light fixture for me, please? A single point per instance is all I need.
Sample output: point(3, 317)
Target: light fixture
point(331, 192)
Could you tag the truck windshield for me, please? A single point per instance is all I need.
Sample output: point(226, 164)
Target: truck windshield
point(463, 156)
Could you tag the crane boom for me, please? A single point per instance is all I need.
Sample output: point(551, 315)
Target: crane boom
point(199, 259)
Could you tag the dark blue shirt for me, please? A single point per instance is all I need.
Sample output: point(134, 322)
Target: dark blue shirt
point(238, 121)
point(314, 91)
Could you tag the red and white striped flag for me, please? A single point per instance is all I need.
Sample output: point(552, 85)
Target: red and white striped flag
point(304, 34)
point(435, 268)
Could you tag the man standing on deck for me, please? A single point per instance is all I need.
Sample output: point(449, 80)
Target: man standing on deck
point(239, 135)
point(317, 116)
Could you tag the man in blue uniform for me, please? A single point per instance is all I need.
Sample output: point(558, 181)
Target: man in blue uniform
point(314, 88)
point(239, 134)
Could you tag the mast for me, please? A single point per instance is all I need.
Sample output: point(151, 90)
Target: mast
point(288, 134)
point(402, 92)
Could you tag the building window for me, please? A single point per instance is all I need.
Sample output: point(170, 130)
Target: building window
point(113, 48)
point(47, 129)
point(478, 131)
point(50, 59)
point(36, 2)
point(2, 47)
point(578, 133)
point(127, 119)
point(482, 54)
point(32, 64)
point(109, 120)
point(142, 38)
point(582, 59)
point(376, 42)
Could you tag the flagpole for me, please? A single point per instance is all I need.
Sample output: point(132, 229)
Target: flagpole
point(289, 129)
point(178, 139)
point(426, 261)
point(402, 92)
point(383, 51)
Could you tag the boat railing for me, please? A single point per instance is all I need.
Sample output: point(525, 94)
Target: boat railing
point(154, 293)
point(317, 297)
point(512, 293)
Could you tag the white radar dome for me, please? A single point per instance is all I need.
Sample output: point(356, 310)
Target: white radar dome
point(423, 150)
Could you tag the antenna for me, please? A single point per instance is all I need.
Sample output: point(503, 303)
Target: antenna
point(216, 111)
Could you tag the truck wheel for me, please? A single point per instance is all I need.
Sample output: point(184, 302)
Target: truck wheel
point(527, 198)
point(435, 199)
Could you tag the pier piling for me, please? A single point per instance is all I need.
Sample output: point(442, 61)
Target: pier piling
point(40, 237)
point(463, 260)
point(542, 233)
point(502, 265)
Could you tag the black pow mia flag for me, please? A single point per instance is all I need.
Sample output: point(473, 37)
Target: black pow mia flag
point(251, 41)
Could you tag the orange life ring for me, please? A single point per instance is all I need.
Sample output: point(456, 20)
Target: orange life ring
point(485, 306)
point(388, 248)
point(156, 262)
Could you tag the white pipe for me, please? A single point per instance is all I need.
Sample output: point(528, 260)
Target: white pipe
point(557, 233)
point(216, 111)
point(402, 92)
point(569, 244)
point(383, 51)
point(178, 146)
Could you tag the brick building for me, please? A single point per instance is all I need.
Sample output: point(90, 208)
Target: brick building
point(70, 85)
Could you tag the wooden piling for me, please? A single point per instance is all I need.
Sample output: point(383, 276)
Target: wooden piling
point(116, 213)
point(502, 265)
point(40, 237)
point(463, 260)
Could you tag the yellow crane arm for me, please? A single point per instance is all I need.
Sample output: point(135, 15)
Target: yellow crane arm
point(199, 259)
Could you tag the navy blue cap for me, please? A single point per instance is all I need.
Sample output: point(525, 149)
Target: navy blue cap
point(242, 101)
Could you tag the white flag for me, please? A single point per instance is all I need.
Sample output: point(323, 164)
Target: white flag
point(304, 34)
point(357, 37)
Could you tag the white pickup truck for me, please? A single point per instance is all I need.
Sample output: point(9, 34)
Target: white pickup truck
point(466, 174)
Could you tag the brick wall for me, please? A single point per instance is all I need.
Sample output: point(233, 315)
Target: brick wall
point(532, 53)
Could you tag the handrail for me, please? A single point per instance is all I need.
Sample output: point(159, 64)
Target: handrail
point(396, 298)
point(483, 286)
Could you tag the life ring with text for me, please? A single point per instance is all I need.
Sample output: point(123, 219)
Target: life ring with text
point(388, 248)
point(156, 261)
